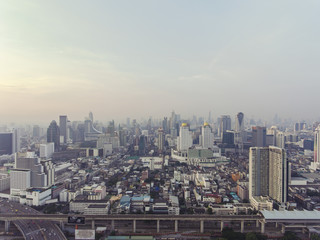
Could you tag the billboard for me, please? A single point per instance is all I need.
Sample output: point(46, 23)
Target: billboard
point(76, 220)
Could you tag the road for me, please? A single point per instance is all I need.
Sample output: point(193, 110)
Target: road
point(31, 229)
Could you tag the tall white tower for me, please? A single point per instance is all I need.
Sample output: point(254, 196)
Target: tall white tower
point(317, 147)
point(206, 136)
point(184, 141)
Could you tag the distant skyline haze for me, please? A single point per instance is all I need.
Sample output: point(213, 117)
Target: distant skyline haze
point(146, 58)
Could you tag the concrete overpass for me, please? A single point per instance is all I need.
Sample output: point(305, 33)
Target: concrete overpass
point(286, 219)
point(63, 219)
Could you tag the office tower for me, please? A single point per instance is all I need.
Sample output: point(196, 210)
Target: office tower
point(239, 133)
point(90, 133)
point(239, 123)
point(316, 150)
point(280, 139)
point(228, 137)
point(29, 171)
point(16, 140)
point(160, 140)
point(36, 131)
point(173, 120)
point(259, 136)
point(268, 173)
point(122, 137)
point(42, 172)
point(91, 116)
point(165, 126)
point(63, 121)
point(206, 136)
point(224, 125)
point(299, 126)
point(53, 135)
point(9, 142)
point(46, 150)
point(111, 128)
point(6, 143)
point(20, 179)
point(142, 145)
point(184, 141)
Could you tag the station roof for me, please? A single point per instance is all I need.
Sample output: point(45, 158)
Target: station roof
point(291, 215)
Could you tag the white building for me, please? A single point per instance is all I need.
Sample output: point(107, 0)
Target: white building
point(36, 196)
point(184, 141)
point(46, 150)
point(97, 209)
point(20, 179)
point(153, 163)
point(4, 181)
point(207, 136)
point(316, 147)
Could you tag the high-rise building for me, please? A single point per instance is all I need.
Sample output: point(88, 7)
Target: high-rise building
point(36, 131)
point(142, 145)
point(239, 132)
point(9, 142)
point(184, 141)
point(160, 140)
point(317, 147)
point(20, 179)
point(280, 139)
point(6, 143)
point(34, 172)
point(268, 173)
point(46, 150)
point(239, 123)
point(207, 137)
point(224, 124)
point(53, 135)
point(63, 121)
point(278, 174)
point(259, 135)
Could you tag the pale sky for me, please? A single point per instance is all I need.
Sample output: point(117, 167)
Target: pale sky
point(146, 58)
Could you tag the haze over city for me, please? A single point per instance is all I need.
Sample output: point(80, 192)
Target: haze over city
point(147, 58)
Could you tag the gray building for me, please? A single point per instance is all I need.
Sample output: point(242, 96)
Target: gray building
point(63, 122)
point(259, 136)
point(268, 173)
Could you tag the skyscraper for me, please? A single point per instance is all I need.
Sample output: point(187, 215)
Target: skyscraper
point(317, 146)
point(239, 134)
point(224, 125)
point(6, 143)
point(207, 137)
point(239, 123)
point(53, 135)
point(185, 138)
point(268, 173)
point(63, 121)
point(259, 135)
point(160, 140)
point(9, 142)
point(32, 171)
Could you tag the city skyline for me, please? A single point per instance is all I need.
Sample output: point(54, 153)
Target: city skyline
point(128, 60)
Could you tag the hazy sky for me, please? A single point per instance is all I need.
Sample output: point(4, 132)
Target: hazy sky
point(147, 58)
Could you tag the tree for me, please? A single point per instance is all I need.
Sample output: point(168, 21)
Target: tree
point(251, 236)
point(229, 234)
point(314, 236)
point(290, 236)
